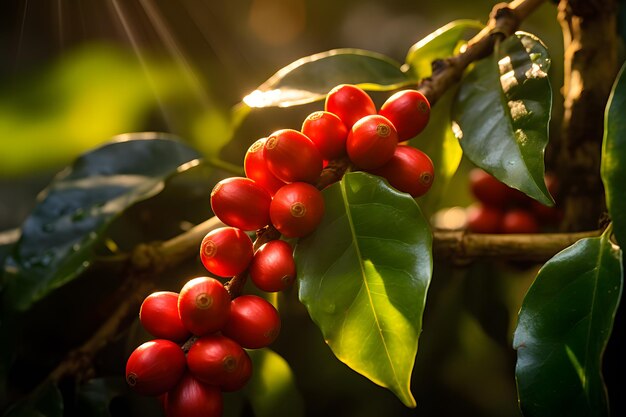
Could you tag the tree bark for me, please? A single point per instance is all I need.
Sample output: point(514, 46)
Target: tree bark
point(590, 66)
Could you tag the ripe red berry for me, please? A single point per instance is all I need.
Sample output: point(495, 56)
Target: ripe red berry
point(519, 221)
point(159, 316)
point(203, 305)
point(371, 142)
point(192, 398)
point(409, 170)
point(241, 202)
point(489, 190)
point(226, 251)
point(155, 367)
point(409, 112)
point(253, 323)
point(297, 209)
point(256, 169)
point(350, 103)
point(218, 360)
point(273, 267)
point(482, 218)
point(242, 377)
point(292, 157)
point(327, 132)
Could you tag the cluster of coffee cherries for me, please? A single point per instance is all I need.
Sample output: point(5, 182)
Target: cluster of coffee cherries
point(282, 169)
point(502, 209)
point(201, 334)
point(199, 350)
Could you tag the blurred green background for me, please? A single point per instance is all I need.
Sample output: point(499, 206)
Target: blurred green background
point(76, 73)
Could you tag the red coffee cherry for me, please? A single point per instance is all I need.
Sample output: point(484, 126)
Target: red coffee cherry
point(155, 367)
point(409, 112)
point(203, 305)
point(371, 142)
point(292, 157)
point(192, 398)
point(241, 202)
point(226, 251)
point(297, 209)
point(159, 316)
point(350, 103)
point(242, 377)
point(482, 218)
point(256, 169)
point(218, 360)
point(273, 267)
point(253, 323)
point(327, 132)
point(409, 170)
point(519, 221)
point(489, 190)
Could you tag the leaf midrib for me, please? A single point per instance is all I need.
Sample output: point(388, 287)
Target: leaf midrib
point(363, 276)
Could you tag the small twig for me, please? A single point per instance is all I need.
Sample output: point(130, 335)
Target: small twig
point(503, 22)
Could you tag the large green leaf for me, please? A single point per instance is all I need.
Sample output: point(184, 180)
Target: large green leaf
point(311, 78)
point(440, 44)
point(614, 156)
point(563, 328)
point(58, 238)
point(502, 112)
point(364, 275)
point(272, 391)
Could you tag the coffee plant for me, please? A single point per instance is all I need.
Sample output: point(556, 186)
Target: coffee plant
point(342, 215)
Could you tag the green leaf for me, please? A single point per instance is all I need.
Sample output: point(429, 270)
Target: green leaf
point(272, 391)
point(45, 402)
point(502, 112)
point(563, 328)
point(310, 78)
point(614, 156)
point(440, 44)
point(58, 238)
point(364, 275)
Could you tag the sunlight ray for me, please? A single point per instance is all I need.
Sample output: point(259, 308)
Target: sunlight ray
point(60, 23)
point(172, 46)
point(118, 11)
point(223, 52)
point(21, 37)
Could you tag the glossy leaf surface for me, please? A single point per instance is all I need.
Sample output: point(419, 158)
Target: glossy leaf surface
point(364, 275)
point(59, 236)
point(563, 328)
point(614, 156)
point(502, 112)
point(311, 78)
